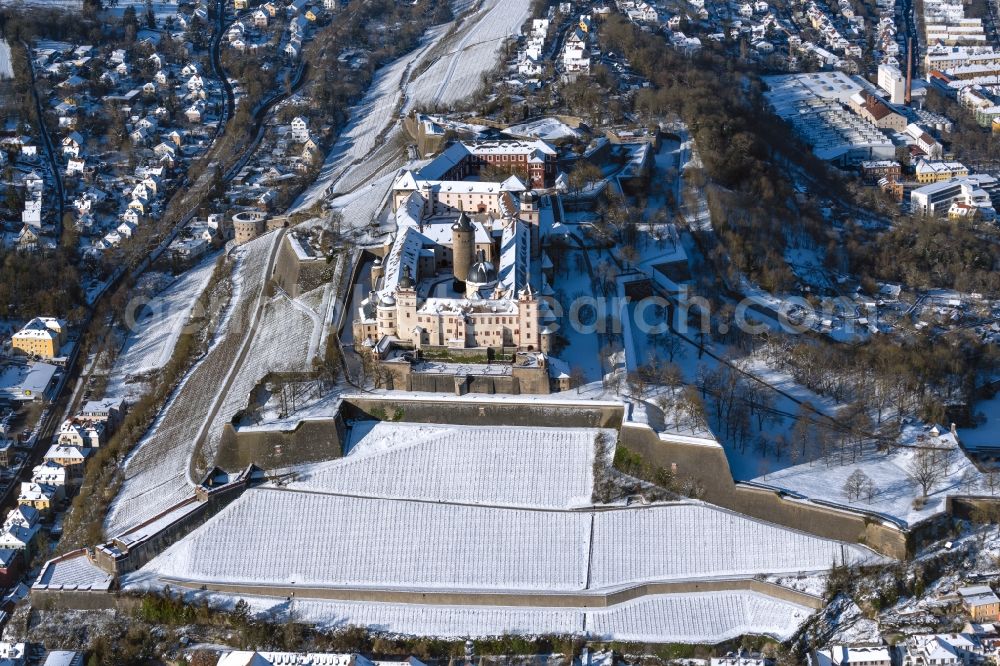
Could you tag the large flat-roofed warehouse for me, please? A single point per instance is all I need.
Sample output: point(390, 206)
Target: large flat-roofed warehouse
point(814, 104)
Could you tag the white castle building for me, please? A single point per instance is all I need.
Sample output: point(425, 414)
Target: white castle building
point(464, 270)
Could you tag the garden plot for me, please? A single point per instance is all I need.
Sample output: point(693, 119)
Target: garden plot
point(698, 618)
point(149, 346)
point(308, 539)
point(156, 471)
point(472, 51)
point(490, 465)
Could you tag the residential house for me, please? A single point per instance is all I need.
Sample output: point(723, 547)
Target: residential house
point(928, 171)
point(82, 434)
point(848, 655)
point(11, 570)
point(42, 337)
point(39, 496)
point(981, 603)
point(109, 411)
point(299, 129)
point(49, 474)
point(72, 143)
point(942, 650)
point(19, 538)
point(27, 239)
point(75, 166)
point(70, 457)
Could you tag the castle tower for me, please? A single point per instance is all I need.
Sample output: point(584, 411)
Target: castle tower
point(463, 249)
point(528, 311)
point(386, 315)
point(529, 214)
point(406, 305)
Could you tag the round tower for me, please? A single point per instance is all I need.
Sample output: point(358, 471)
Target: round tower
point(463, 248)
point(387, 315)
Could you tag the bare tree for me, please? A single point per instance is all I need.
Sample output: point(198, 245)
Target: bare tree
point(852, 487)
point(925, 469)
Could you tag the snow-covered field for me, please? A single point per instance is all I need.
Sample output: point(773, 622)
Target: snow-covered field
point(682, 618)
point(473, 50)
point(149, 346)
point(284, 537)
point(161, 10)
point(48, 4)
point(495, 465)
point(895, 487)
point(697, 618)
point(156, 472)
point(547, 129)
point(987, 434)
point(6, 69)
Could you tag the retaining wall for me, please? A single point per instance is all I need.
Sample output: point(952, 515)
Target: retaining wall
point(709, 465)
point(310, 441)
point(525, 599)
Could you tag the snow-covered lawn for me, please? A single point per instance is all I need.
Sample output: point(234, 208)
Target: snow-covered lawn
point(150, 345)
point(896, 490)
point(986, 435)
point(494, 465)
point(6, 69)
point(547, 129)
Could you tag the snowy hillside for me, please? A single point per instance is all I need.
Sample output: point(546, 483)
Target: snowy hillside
point(150, 345)
point(472, 51)
point(6, 69)
point(156, 472)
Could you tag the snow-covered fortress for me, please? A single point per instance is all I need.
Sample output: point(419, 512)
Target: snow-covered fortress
point(465, 268)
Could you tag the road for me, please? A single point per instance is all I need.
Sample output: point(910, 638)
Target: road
point(47, 142)
point(220, 73)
